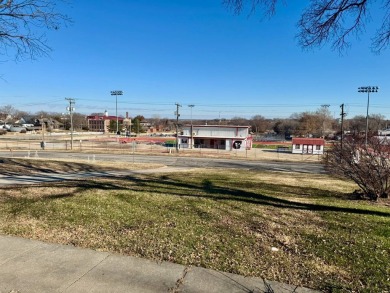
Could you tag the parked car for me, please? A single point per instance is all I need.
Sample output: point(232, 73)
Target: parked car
point(16, 128)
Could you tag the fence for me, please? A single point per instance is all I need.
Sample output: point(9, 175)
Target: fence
point(114, 146)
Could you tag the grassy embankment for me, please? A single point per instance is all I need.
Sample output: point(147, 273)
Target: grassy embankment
point(295, 228)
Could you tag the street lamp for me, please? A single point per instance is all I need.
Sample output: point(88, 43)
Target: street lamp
point(192, 135)
point(116, 94)
point(368, 90)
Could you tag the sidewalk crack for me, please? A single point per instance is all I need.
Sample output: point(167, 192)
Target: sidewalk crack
point(179, 282)
point(82, 276)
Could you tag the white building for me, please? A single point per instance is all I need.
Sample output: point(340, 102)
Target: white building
point(313, 146)
point(216, 137)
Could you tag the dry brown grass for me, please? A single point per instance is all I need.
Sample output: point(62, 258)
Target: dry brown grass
point(37, 165)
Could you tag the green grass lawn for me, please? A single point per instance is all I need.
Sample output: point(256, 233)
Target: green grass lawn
point(296, 228)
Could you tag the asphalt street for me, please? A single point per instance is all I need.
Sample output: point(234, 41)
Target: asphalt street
point(36, 178)
point(172, 163)
point(177, 161)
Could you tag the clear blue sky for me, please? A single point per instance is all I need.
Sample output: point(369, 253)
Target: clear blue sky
point(192, 52)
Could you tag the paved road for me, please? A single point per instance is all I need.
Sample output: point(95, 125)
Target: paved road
point(172, 163)
point(36, 178)
point(176, 161)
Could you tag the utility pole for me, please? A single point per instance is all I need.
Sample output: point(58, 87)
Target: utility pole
point(342, 124)
point(43, 129)
point(71, 109)
point(192, 133)
point(177, 126)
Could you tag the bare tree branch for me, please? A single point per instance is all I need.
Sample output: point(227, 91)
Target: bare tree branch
point(238, 6)
point(22, 25)
point(331, 21)
point(328, 21)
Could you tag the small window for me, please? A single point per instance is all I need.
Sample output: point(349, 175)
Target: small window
point(318, 147)
point(297, 146)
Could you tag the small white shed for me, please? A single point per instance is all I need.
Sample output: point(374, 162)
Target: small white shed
point(312, 146)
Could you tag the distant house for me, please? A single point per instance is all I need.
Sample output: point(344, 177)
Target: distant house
point(49, 123)
point(100, 122)
point(216, 137)
point(301, 145)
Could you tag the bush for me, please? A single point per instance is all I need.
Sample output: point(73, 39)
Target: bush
point(3, 131)
point(368, 165)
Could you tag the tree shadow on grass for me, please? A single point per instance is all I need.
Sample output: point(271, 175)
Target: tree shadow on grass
point(17, 167)
point(206, 188)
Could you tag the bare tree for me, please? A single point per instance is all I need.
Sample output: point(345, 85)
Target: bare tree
point(22, 25)
point(238, 121)
point(9, 109)
point(259, 124)
point(328, 21)
point(309, 124)
point(367, 165)
point(376, 122)
point(286, 127)
point(357, 124)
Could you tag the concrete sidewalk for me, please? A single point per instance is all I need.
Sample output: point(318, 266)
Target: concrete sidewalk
point(34, 266)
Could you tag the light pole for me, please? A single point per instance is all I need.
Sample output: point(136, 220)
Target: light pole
point(43, 130)
point(192, 134)
point(368, 90)
point(177, 126)
point(71, 110)
point(116, 94)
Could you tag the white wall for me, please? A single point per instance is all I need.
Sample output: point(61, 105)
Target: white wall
point(216, 132)
point(308, 149)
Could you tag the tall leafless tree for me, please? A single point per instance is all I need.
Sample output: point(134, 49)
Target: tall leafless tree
point(23, 24)
point(329, 21)
point(259, 124)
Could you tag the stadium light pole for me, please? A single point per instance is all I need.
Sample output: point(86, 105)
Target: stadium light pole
point(116, 94)
point(368, 90)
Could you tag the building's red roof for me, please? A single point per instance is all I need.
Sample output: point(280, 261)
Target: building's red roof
point(309, 141)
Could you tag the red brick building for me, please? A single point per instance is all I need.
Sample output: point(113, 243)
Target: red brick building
point(100, 122)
